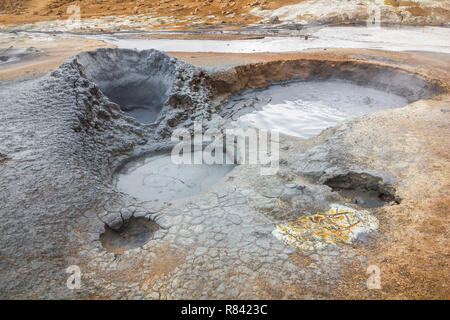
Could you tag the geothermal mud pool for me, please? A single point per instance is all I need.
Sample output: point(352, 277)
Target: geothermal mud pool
point(158, 178)
point(300, 109)
point(194, 231)
point(304, 109)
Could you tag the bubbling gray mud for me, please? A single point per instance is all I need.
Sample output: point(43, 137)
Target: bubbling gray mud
point(304, 109)
point(158, 178)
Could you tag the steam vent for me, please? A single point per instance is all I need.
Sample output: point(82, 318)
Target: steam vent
point(243, 151)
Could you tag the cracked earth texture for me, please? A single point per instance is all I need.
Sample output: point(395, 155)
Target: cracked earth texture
point(62, 141)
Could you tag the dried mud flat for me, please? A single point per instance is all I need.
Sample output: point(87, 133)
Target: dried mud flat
point(62, 141)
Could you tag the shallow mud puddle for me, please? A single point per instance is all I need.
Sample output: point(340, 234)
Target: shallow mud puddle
point(157, 178)
point(304, 109)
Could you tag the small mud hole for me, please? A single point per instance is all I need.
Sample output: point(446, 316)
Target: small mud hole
point(304, 109)
point(364, 190)
point(363, 198)
point(134, 233)
point(158, 178)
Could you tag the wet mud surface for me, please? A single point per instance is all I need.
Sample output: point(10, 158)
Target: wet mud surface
point(304, 109)
point(158, 178)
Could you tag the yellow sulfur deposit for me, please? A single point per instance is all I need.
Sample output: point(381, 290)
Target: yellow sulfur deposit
point(340, 224)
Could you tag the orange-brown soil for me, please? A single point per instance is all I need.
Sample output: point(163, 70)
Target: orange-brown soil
point(223, 14)
point(226, 11)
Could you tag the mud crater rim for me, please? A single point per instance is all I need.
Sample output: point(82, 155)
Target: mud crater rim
point(139, 82)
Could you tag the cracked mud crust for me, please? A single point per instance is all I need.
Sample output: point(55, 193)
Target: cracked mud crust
point(62, 140)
